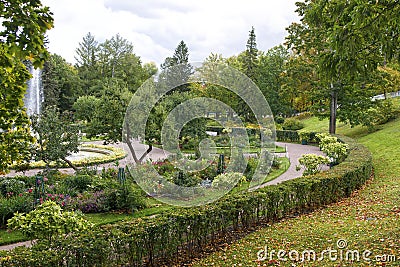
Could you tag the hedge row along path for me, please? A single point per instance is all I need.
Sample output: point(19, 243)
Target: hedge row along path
point(294, 152)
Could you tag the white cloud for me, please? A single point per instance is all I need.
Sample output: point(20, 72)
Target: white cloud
point(155, 27)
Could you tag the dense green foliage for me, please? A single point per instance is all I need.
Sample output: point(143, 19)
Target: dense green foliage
point(312, 163)
point(347, 41)
point(61, 83)
point(57, 137)
point(48, 221)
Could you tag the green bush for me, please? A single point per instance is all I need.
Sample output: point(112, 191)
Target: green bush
point(79, 183)
point(304, 115)
point(311, 163)
point(292, 124)
point(250, 168)
point(47, 221)
point(335, 151)
point(11, 187)
point(89, 202)
point(287, 136)
point(19, 203)
point(125, 198)
point(279, 120)
point(227, 180)
point(186, 179)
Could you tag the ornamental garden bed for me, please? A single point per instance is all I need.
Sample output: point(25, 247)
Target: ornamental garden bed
point(146, 241)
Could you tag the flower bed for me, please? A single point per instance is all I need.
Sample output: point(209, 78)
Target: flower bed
point(108, 154)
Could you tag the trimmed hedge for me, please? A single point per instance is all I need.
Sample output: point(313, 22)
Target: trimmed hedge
point(294, 136)
point(287, 136)
point(148, 241)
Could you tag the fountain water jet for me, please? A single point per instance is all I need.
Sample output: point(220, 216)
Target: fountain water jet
point(34, 95)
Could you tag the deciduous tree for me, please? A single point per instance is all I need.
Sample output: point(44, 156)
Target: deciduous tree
point(347, 40)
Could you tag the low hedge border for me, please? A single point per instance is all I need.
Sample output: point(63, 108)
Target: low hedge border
point(148, 241)
point(295, 136)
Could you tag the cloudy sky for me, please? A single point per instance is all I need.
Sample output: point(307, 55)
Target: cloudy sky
point(155, 27)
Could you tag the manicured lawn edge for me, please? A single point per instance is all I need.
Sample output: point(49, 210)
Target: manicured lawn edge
point(190, 229)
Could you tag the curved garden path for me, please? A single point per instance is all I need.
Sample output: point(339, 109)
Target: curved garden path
point(293, 152)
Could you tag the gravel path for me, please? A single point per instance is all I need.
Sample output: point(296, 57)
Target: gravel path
point(19, 244)
point(294, 152)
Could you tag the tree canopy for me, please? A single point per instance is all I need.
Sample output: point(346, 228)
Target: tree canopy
point(347, 40)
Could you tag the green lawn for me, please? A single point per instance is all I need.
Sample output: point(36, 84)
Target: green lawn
point(368, 221)
point(275, 173)
point(313, 124)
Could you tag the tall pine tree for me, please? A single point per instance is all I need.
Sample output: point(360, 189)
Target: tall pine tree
point(86, 58)
point(251, 56)
point(176, 69)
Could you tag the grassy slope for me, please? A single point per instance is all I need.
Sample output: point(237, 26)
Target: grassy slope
point(370, 220)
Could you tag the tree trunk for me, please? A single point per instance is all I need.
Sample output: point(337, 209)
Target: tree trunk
point(146, 153)
point(128, 141)
point(333, 108)
point(132, 150)
point(70, 164)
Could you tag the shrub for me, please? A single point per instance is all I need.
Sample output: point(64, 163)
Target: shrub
point(18, 203)
point(250, 168)
point(287, 136)
point(320, 136)
point(186, 179)
point(78, 182)
point(89, 202)
point(304, 136)
point(335, 151)
point(279, 120)
point(311, 163)
point(10, 187)
point(125, 198)
point(47, 221)
point(227, 180)
point(292, 124)
point(328, 139)
point(304, 115)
